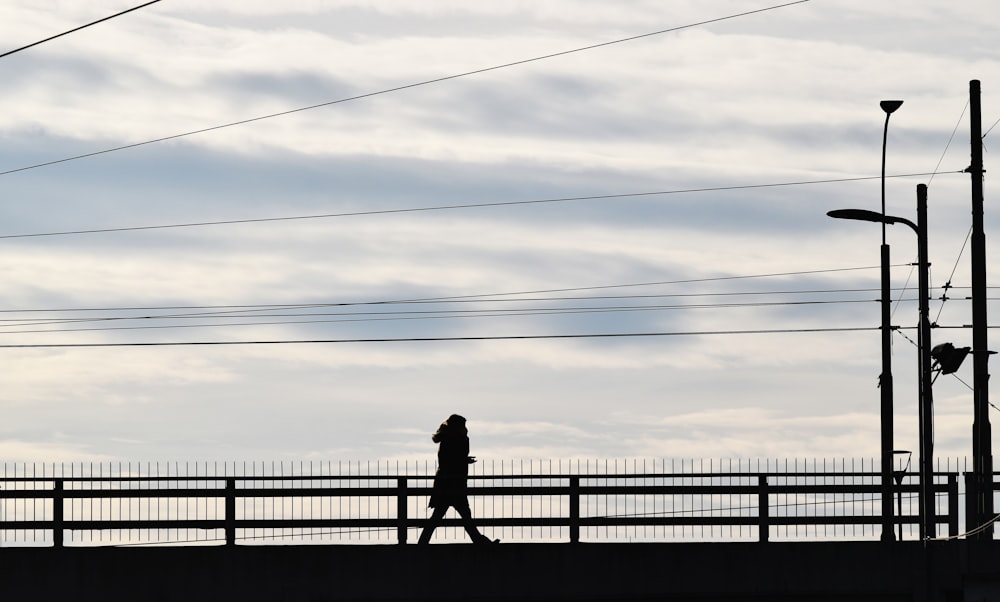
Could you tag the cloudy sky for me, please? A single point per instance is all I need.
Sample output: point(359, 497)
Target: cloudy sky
point(444, 218)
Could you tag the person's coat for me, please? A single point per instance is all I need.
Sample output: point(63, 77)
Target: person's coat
point(451, 479)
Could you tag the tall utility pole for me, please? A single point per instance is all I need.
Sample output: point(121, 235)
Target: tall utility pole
point(928, 525)
point(982, 438)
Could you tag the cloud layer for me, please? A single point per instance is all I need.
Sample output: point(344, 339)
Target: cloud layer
point(714, 117)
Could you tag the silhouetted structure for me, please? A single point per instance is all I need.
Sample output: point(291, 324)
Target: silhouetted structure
point(451, 479)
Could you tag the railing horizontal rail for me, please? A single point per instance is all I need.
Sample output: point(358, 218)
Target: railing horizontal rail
point(490, 522)
point(755, 501)
point(387, 491)
point(430, 477)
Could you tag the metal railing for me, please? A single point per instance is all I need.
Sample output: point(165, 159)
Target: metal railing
point(133, 506)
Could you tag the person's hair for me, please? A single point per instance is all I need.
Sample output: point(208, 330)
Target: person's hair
point(455, 424)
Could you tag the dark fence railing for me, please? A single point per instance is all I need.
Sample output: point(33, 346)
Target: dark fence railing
point(390, 507)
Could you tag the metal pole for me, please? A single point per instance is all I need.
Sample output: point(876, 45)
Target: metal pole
point(982, 438)
point(885, 379)
point(926, 394)
point(886, 395)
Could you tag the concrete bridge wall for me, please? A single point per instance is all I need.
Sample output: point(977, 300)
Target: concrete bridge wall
point(828, 571)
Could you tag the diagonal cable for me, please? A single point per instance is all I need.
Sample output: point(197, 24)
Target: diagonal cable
point(404, 87)
point(458, 206)
point(75, 29)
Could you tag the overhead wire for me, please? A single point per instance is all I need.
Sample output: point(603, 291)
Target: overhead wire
point(229, 309)
point(243, 313)
point(914, 265)
point(948, 144)
point(458, 206)
point(991, 128)
point(548, 56)
point(355, 317)
point(971, 388)
point(252, 312)
point(987, 526)
point(405, 87)
point(24, 325)
point(442, 338)
point(947, 284)
point(75, 29)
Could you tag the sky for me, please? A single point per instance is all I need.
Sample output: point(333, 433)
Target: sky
point(312, 230)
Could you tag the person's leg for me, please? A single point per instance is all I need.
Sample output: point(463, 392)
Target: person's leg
point(470, 527)
point(432, 523)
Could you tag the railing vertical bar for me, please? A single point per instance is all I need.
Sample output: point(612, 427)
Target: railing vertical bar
point(733, 501)
point(701, 498)
point(34, 501)
point(230, 511)
point(401, 510)
point(676, 502)
point(800, 512)
point(57, 514)
point(763, 510)
point(312, 501)
point(278, 534)
point(854, 528)
point(574, 509)
point(17, 486)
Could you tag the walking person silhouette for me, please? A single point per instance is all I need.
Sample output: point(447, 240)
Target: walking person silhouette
point(450, 480)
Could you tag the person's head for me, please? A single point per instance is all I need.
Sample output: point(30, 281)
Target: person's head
point(454, 425)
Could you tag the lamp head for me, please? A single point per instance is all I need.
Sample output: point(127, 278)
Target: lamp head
point(861, 215)
point(872, 216)
point(890, 106)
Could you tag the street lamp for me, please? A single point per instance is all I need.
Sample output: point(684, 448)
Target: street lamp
point(889, 106)
point(925, 395)
point(885, 379)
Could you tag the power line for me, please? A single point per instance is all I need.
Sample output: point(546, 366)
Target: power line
point(406, 87)
point(253, 316)
point(49, 39)
point(252, 312)
point(274, 307)
point(222, 315)
point(948, 144)
point(947, 285)
point(228, 310)
point(441, 339)
point(661, 283)
point(463, 298)
point(356, 317)
point(465, 206)
point(991, 129)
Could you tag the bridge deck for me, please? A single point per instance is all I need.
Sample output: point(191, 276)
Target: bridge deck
point(960, 570)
